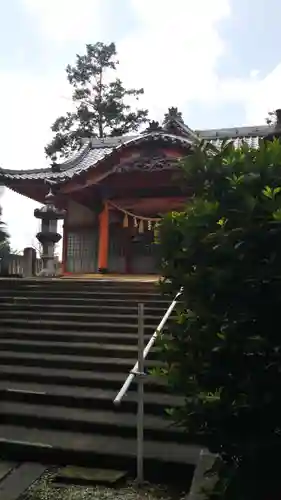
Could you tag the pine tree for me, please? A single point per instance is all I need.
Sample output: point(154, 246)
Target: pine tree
point(271, 118)
point(102, 104)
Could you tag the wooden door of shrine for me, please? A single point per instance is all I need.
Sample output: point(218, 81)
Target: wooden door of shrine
point(131, 252)
point(82, 252)
point(117, 249)
point(143, 257)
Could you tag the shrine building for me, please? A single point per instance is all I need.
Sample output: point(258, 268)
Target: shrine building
point(114, 192)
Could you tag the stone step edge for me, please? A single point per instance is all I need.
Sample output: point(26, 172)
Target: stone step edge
point(75, 323)
point(71, 333)
point(114, 418)
point(74, 377)
point(93, 315)
point(85, 393)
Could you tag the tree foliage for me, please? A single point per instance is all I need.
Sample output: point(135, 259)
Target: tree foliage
point(224, 351)
point(102, 104)
point(274, 118)
point(4, 238)
point(271, 118)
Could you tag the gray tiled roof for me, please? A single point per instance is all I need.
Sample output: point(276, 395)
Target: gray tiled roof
point(250, 135)
point(235, 132)
point(91, 158)
point(90, 155)
point(96, 150)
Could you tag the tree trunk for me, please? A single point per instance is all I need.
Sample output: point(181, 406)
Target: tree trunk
point(100, 100)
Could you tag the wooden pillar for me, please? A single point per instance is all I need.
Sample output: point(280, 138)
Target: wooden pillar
point(128, 236)
point(64, 250)
point(103, 240)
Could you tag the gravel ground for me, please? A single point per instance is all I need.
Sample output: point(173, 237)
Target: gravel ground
point(43, 489)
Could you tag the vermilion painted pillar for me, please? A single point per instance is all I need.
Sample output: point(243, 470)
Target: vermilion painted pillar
point(103, 239)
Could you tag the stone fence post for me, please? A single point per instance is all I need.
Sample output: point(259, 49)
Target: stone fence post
point(29, 260)
point(201, 484)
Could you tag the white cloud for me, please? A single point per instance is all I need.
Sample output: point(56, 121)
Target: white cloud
point(174, 56)
point(29, 104)
point(174, 53)
point(258, 95)
point(28, 107)
point(264, 96)
point(66, 20)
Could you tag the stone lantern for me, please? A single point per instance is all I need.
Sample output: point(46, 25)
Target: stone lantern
point(49, 236)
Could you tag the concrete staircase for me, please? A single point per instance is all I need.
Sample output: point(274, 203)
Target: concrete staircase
point(66, 347)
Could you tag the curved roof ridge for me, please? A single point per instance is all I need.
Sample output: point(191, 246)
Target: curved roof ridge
point(90, 156)
point(183, 126)
point(21, 171)
point(158, 135)
point(68, 163)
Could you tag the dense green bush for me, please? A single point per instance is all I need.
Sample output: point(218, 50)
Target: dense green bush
point(224, 353)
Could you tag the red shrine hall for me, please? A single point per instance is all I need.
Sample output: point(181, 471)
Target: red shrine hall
point(114, 192)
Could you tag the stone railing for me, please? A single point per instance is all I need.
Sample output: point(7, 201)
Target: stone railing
point(26, 265)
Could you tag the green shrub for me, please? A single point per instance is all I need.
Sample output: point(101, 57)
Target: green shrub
point(224, 353)
point(4, 238)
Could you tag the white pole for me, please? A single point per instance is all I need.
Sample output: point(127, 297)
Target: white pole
point(140, 376)
point(150, 344)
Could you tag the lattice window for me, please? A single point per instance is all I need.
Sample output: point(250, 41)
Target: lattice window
point(74, 245)
point(81, 252)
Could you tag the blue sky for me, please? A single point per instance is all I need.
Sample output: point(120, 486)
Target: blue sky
point(219, 61)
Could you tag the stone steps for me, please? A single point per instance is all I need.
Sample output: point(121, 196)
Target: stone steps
point(84, 378)
point(95, 324)
point(58, 446)
point(104, 422)
point(63, 315)
point(75, 299)
point(85, 294)
point(67, 335)
point(98, 348)
point(68, 361)
point(83, 397)
point(66, 348)
point(74, 308)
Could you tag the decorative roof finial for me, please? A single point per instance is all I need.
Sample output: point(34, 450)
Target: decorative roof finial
point(153, 126)
point(172, 114)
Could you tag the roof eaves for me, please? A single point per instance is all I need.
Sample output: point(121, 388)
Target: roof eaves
point(156, 136)
point(112, 142)
point(76, 157)
point(185, 128)
point(235, 132)
point(89, 157)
